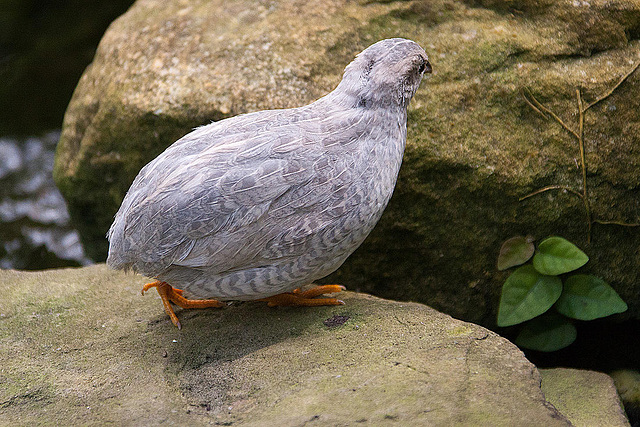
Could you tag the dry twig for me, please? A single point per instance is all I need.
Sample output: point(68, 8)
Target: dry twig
point(538, 107)
point(606, 95)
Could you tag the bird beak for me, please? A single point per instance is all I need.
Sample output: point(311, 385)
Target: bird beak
point(427, 67)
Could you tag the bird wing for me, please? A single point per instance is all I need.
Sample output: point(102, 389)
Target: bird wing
point(232, 203)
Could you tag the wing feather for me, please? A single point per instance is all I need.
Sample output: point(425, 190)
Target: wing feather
point(234, 195)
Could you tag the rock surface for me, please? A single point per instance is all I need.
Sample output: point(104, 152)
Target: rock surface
point(474, 145)
point(627, 383)
point(584, 397)
point(81, 346)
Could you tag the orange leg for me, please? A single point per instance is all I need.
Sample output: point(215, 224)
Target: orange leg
point(307, 298)
point(170, 294)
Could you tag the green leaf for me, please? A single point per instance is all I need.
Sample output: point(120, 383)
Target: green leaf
point(527, 294)
point(550, 332)
point(587, 297)
point(557, 256)
point(515, 251)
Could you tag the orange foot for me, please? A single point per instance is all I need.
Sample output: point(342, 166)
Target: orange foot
point(168, 293)
point(298, 298)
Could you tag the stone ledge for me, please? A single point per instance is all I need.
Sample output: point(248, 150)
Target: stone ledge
point(82, 346)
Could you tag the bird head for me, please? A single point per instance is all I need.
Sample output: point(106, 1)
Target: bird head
point(386, 74)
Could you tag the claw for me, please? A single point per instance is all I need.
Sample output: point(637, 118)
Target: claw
point(298, 298)
point(170, 294)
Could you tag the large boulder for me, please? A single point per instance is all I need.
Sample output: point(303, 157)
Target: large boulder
point(475, 146)
point(82, 346)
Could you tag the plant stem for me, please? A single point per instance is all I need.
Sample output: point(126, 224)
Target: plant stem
point(620, 223)
point(551, 187)
point(606, 95)
point(583, 164)
point(545, 112)
point(541, 108)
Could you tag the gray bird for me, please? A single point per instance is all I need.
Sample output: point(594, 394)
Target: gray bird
point(255, 206)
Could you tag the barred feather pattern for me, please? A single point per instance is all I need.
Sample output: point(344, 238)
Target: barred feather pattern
point(262, 203)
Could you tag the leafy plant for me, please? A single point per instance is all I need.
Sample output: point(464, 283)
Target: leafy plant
point(533, 289)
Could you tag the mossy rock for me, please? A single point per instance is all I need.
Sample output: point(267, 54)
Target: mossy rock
point(475, 146)
point(627, 383)
point(82, 346)
point(584, 396)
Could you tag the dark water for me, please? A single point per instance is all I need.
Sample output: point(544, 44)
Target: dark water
point(44, 48)
point(34, 223)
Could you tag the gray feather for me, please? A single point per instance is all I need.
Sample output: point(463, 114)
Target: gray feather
point(264, 202)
